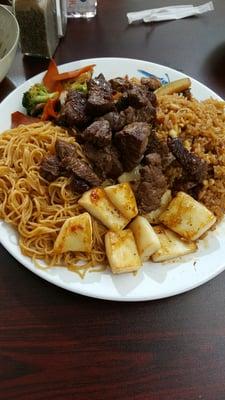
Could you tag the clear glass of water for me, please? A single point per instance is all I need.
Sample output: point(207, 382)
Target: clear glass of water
point(81, 8)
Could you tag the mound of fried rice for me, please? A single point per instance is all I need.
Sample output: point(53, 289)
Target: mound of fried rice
point(201, 126)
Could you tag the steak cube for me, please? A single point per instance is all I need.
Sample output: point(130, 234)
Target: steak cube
point(137, 97)
point(64, 149)
point(120, 84)
point(98, 133)
point(100, 99)
point(152, 186)
point(132, 142)
point(105, 160)
point(74, 110)
point(151, 83)
point(50, 168)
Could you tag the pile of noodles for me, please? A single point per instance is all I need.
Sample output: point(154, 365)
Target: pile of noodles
point(36, 207)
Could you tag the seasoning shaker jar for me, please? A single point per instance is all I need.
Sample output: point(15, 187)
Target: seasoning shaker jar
point(81, 8)
point(38, 26)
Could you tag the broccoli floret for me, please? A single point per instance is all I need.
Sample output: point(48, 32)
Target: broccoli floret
point(37, 94)
point(80, 87)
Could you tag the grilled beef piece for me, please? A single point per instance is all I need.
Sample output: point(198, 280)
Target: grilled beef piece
point(137, 96)
point(83, 171)
point(79, 185)
point(100, 100)
point(152, 98)
point(120, 84)
point(64, 149)
point(183, 184)
point(151, 83)
point(50, 168)
point(116, 121)
point(98, 133)
point(74, 110)
point(104, 160)
point(66, 162)
point(75, 166)
point(152, 186)
point(194, 167)
point(122, 102)
point(132, 141)
point(146, 113)
point(158, 146)
point(154, 161)
point(128, 116)
point(148, 197)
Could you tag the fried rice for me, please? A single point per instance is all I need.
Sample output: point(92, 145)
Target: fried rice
point(201, 126)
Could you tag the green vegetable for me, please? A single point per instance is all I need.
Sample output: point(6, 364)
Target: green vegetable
point(81, 87)
point(35, 98)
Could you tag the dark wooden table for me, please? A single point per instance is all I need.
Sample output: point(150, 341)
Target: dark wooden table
point(56, 345)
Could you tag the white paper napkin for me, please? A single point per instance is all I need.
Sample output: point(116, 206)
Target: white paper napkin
point(169, 13)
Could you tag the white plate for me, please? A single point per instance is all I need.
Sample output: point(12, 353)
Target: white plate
point(154, 281)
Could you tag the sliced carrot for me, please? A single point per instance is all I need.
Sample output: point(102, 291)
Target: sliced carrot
point(73, 74)
point(18, 118)
point(52, 79)
point(49, 110)
point(49, 79)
